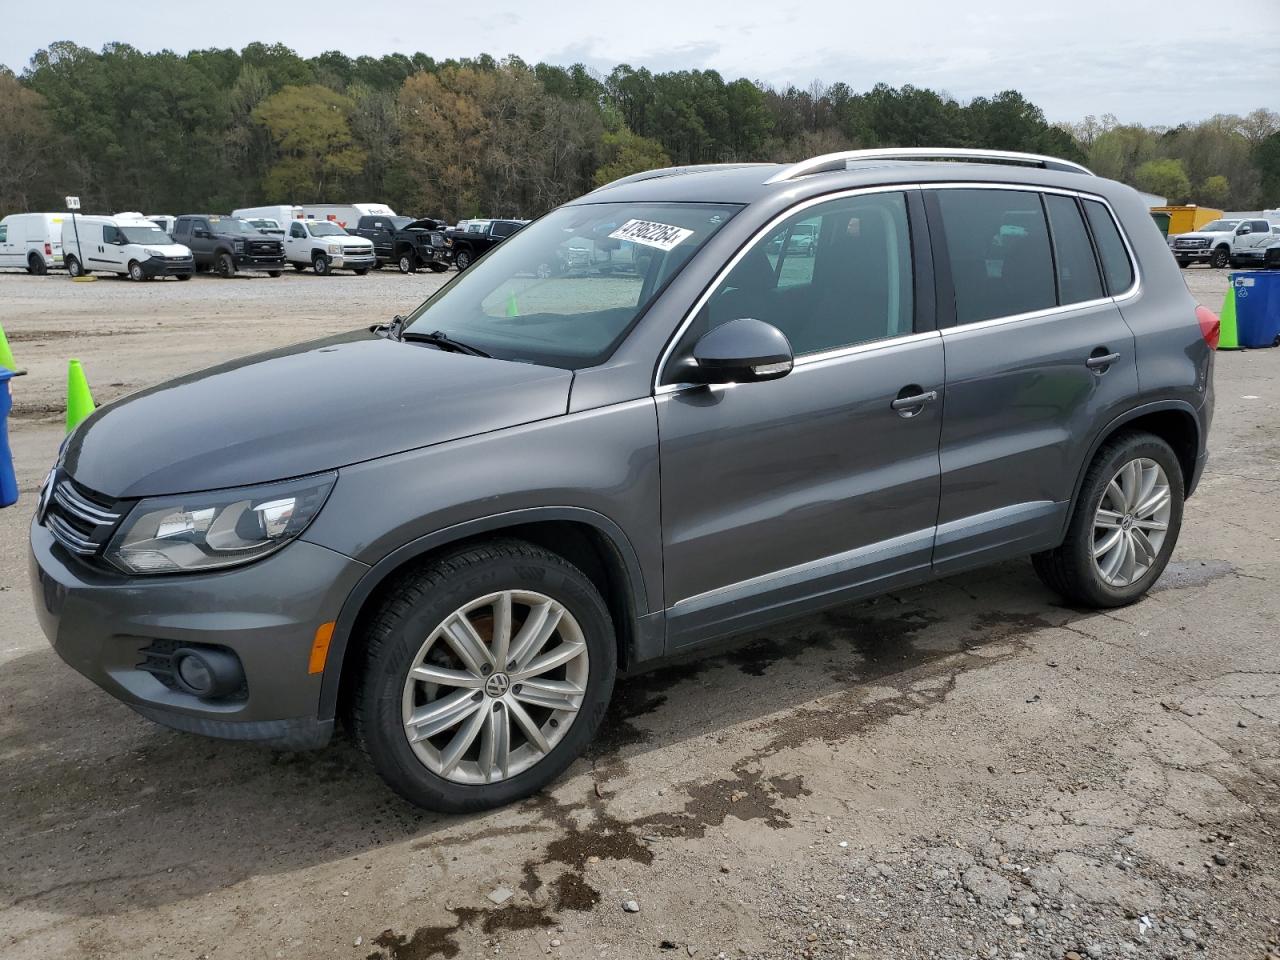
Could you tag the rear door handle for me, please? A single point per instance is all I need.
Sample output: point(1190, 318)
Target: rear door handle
point(1106, 360)
point(913, 400)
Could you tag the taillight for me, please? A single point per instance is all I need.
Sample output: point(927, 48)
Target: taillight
point(1210, 326)
point(48, 250)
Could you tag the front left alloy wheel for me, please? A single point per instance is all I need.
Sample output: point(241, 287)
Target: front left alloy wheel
point(486, 674)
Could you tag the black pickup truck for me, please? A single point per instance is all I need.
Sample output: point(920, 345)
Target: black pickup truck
point(228, 245)
point(476, 237)
point(406, 242)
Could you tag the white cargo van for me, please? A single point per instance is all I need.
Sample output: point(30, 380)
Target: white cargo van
point(281, 213)
point(32, 241)
point(345, 215)
point(129, 245)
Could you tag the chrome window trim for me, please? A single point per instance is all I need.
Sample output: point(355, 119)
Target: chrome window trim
point(1064, 191)
point(659, 388)
point(687, 321)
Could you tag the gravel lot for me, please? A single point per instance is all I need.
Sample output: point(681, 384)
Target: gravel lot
point(966, 769)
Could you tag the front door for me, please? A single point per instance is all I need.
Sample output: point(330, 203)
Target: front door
point(1038, 359)
point(785, 496)
point(297, 243)
point(107, 251)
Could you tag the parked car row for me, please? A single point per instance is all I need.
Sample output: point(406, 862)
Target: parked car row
point(1220, 243)
point(322, 237)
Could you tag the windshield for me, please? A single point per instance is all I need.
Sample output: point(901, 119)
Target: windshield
point(565, 290)
point(228, 225)
point(1218, 226)
point(323, 228)
point(144, 235)
point(265, 224)
point(399, 223)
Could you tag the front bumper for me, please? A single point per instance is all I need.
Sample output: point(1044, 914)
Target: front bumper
point(166, 267)
point(350, 261)
point(266, 613)
point(256, 261)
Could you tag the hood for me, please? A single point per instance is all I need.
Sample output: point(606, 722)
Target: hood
point(168, 249)
point(303, 409)
point(1202, 235)
point(350, 242)
point(426, 223)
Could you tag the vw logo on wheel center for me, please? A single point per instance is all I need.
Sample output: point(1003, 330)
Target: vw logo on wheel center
point(497, 685)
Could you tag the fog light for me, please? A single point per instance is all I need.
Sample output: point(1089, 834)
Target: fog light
point(207, 673)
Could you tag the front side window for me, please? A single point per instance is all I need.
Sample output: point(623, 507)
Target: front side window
point(998, 248)
point(566, 289)
point(833, 275)
point(1116, 266)
point(109, 234)
point(1078, 278)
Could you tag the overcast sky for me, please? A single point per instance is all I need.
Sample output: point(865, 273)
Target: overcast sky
point(1157, 62)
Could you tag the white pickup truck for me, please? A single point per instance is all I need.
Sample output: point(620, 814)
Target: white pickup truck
point(324, 246)
point(1222, 242)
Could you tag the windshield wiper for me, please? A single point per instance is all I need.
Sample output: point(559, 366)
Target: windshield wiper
point(443, 341)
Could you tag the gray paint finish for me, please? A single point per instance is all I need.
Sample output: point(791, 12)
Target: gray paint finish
point(727, 507)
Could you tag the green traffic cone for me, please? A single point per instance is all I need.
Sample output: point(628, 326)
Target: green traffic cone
point(1228, 338)
point(79, 399)
point(513, 308)
point(6, 355)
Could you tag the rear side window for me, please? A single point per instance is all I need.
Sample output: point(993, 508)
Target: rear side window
point(1116, 267)
point(998, 248)
point(4, 232)
point(1260, 226)
point(1078, 278)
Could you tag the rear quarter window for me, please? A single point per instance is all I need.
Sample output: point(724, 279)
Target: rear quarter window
point(1117, 268)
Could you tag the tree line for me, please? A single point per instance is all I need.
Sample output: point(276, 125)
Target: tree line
point(217, 129)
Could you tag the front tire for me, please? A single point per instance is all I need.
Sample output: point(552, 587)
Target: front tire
point(225, 266)
point(1124, 525)
point(406, 263)
point(320, 264)
point(486, 673)
point(1219, 258)
point(438, 267)
point(275, 273)
point(361, 271)
point(36, 265)
point(135, 271)
point(462, 260)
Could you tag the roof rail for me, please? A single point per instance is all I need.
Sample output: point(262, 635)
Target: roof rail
point(840, 161)
point(675, 172)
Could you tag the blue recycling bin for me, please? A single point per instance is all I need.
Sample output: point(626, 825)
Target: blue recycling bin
point(8, 480)
point(1257, 307)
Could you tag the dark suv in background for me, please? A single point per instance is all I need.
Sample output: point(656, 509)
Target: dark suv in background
point(408, 243)
point(471, 241)
point(536, 479)
point(228, 245)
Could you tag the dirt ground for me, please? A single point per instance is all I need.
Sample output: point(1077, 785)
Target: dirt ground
point(968, 769)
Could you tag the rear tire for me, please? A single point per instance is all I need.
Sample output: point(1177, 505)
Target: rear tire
point(1099, 518)
point(361, 271)
point(438, 267)
point(74, 268)
point(36, 265)
point(298, 266)
point(184, 276)
point(1183, 264)
point(275, 273)
point(405, 634)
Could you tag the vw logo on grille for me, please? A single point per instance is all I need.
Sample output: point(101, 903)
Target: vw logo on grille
point(497, 685)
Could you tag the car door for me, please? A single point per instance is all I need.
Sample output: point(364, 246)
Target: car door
point(788, 495)
point(106, 251)
point(8, 243)
point(1252, 236)
point(1038, 359)
point(297, 243)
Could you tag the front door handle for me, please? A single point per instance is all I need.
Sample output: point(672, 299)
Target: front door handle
point(909, 404)
point(1101, 362)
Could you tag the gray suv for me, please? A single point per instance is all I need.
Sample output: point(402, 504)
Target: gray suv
point(456, 528)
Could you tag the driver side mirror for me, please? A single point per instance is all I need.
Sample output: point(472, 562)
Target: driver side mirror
point(740, 351)
point(200, 233)
point(1244, 228)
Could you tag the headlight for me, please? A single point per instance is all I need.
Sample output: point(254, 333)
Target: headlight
point(222, 528)
point(239, 245)
point(152, 253)
point(335, 249)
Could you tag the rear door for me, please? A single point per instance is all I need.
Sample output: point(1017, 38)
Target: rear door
point(9, 243)
point(1038, 358)
point(1252, 236)
point(788, 495)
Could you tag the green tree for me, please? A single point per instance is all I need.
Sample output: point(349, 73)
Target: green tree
point(624, 153)
point(310, 128)
point(1164, 177)
point(1214, 191)
point(29, 147)
point(1267, 158)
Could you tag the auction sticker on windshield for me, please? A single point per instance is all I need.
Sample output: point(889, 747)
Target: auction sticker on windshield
point(661, 235)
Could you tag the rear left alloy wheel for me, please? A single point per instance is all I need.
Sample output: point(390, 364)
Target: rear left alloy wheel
point(1124, 526)
point(486, 673)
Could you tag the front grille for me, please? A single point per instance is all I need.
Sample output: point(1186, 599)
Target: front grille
point(264, 248)
point(1191, 244)
point(80, 522)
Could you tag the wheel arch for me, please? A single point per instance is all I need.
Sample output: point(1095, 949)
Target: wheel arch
point(589, 540)
point(1174, 421)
